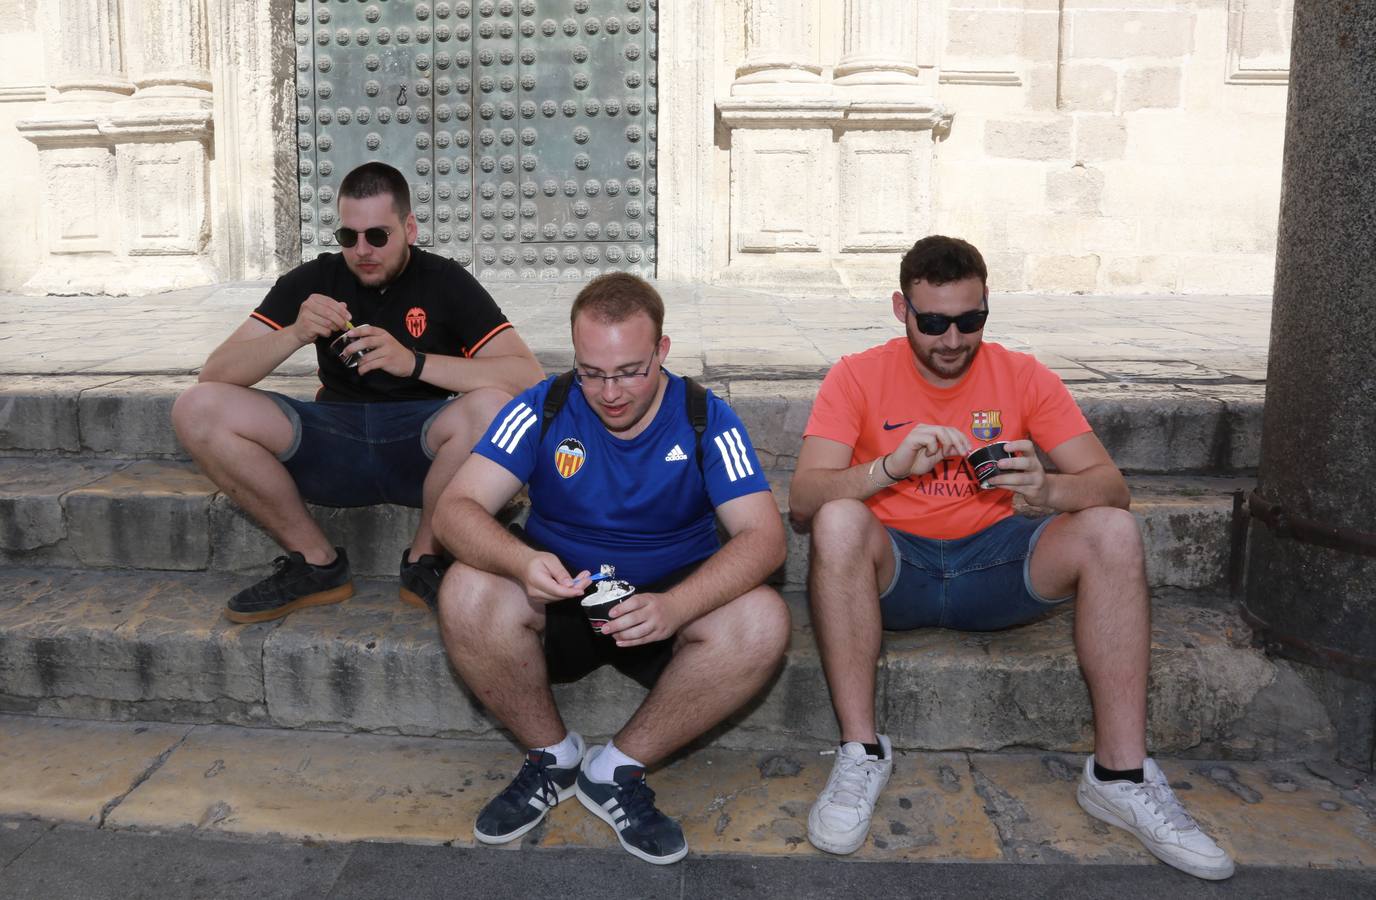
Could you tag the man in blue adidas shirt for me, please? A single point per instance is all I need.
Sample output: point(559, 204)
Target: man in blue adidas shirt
point(617, 474)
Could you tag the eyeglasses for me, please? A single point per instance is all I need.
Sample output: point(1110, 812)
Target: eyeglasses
point(378, 237)
point(587, 379)
point(935, 324)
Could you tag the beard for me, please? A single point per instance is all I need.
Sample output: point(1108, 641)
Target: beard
point(941, 363)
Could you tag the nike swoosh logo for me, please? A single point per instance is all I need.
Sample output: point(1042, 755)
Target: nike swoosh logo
point(888, 427)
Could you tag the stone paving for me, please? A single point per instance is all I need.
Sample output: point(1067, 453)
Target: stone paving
point(972, 807)
point(719, 331)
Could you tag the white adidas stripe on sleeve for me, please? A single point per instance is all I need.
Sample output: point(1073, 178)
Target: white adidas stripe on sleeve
point(726, 458)
point(508, 435)
point(733, 437)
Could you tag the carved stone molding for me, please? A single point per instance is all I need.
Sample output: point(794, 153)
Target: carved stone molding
point(85, 49)
point(1259, 41)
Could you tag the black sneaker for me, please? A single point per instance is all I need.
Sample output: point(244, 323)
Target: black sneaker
point(294, 584)
point(420, 580)
point(536, 789)
point(628, 805)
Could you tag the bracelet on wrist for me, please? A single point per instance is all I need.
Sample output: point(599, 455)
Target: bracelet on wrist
point(884, 465)
point(420, 363)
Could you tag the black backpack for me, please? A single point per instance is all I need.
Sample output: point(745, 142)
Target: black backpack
point(694, 403)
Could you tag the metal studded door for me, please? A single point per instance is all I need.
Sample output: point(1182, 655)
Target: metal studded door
point(525, 127)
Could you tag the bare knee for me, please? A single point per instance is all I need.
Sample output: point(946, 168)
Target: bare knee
point(845, 534)
point(754, 626)
point(198, 412)
point(1108, 536)
point(474, 606)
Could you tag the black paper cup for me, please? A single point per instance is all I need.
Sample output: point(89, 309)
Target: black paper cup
point(597, 606)
point(337, 347)
point(984, 463)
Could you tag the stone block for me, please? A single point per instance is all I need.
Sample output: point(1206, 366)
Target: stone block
point(1120, 34)
point(1252, 273)
point(373, 536)
point(148, 515)
point(775, 414)
point(1146, 273)
point(1078, 189)
point(1063, 273)
point(1007, 270)
point(1154, 428)
point(31, 492)
point(1028, 138)
point(1240, 423)
point(133, 417)
point(1023, 687)
point(39, 412)
point(1186, 529)
point(371, 664)
point(1089, 87)
point(117, 645)
point(1153, 87)
point(1099, 138)
point(978, 34)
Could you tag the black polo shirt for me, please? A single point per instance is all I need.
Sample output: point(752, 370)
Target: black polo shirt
point(433, 306)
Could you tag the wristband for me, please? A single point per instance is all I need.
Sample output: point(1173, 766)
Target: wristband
point(884, 465)
point(420, 363)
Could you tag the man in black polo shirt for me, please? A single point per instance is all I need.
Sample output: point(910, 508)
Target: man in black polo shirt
point(398, 333)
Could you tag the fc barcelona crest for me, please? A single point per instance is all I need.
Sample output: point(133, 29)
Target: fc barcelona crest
point(986, 424)
point(569, 456)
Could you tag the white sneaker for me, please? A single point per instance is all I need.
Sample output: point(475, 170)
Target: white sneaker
point(840, 818)
point(1151, 811)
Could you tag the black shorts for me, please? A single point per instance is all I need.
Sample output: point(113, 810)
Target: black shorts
point(573, 649)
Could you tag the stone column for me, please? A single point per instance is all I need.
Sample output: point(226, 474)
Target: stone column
point(85, 50)
point(780, 53)
point(879, 44)
point(170, 51)
point(1311, 585)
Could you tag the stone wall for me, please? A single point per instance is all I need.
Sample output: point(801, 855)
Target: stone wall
point(1116, 146)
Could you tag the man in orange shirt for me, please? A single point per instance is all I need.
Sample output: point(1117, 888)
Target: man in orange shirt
point(904, 537)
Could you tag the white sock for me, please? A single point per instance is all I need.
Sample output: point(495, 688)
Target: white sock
point(566, 752)
point(604, 765)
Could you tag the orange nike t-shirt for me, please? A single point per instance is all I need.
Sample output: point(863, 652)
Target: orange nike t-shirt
point(870, 400)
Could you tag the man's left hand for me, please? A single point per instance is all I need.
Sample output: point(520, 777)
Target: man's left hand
point(643, 619)
point(385, 352)
point(1024, 474)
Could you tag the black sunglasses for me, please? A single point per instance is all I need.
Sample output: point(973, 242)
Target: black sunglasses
point(935, 324)
point(378, 237)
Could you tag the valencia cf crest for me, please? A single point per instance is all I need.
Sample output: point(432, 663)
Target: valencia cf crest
point(569, 456)
point(415, 321)
point(986, 424)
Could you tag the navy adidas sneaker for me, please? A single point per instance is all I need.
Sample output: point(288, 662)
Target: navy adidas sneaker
point(627, 804)
point(536, 789)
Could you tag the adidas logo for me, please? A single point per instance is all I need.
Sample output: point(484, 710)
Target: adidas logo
point(675, 455)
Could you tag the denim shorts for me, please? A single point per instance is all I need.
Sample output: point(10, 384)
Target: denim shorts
point(975, 583)
point(359, 454)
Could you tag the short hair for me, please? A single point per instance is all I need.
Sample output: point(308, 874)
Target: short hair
point(939, 260)
point(616, 297)
point(373, 178)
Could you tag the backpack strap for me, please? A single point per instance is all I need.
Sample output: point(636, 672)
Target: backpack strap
point(695, 401)
point(555, 399)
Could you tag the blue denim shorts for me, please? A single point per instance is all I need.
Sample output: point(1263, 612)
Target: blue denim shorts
point(975, 583)
point(359, 454)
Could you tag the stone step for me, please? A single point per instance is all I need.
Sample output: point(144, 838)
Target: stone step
point(162, 514)
point(154, 646)
point(1208, 429)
